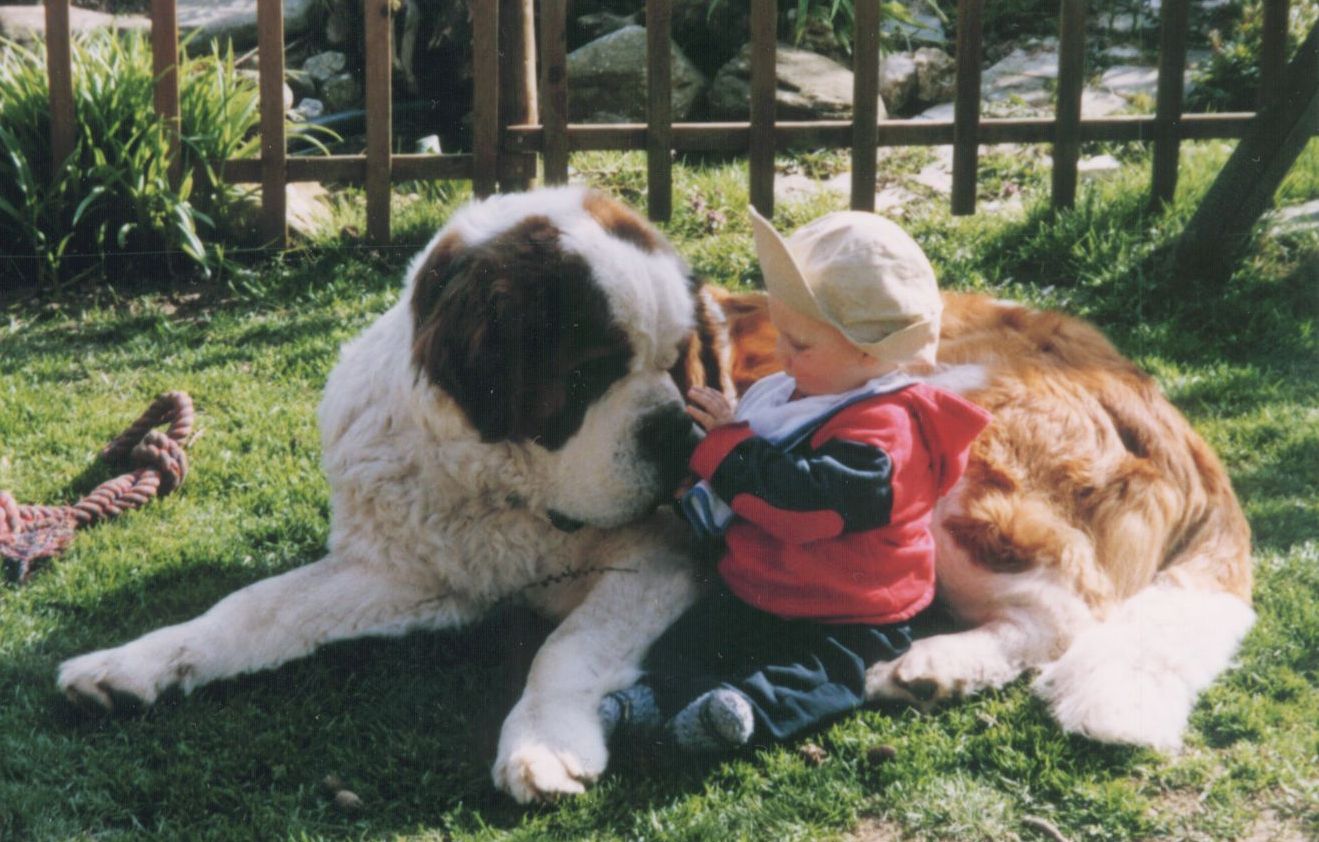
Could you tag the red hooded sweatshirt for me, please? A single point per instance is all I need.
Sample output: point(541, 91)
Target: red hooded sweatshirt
point(837, 528)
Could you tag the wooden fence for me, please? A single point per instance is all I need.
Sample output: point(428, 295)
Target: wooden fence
point(507, 138)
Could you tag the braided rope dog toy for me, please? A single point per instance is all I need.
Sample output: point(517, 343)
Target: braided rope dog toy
point(30, 534)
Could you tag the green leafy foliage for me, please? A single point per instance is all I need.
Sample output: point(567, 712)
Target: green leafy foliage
point(112, 210)
point(1230, 79)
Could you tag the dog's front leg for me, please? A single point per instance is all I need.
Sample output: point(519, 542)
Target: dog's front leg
point(552, 743)
point(259, 627)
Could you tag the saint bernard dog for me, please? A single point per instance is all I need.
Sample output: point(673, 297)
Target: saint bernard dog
point(511, 427)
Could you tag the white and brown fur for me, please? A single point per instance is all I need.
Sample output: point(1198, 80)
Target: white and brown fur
point(515, 417)
point(1094, 536)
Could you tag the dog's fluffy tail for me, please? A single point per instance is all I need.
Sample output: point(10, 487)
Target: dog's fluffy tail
point(1134, 677)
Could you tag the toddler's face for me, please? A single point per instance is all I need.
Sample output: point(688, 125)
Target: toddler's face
point(817, 355)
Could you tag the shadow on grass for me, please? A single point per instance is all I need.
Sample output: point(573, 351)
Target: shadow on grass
point(409, 724)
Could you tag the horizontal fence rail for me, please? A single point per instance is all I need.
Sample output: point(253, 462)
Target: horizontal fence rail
point(510, 138)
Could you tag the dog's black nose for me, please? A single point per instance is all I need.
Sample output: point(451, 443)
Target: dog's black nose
point(668, 436)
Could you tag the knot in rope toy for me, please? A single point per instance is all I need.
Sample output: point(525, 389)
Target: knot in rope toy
point(29, 534)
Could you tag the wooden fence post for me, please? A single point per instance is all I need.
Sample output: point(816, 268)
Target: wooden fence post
point(59, 75)
point(659, 110)
point(1071, 81)
point(1210, 246)
point(379, 33)
point(1168, 108)
point(485, 99)
point(274, 153)
point(966, 109)
point(865, 104)
point(554, 89)
point(165, 66)
point(517, 39)
point(764, 84)
point(1273, 50)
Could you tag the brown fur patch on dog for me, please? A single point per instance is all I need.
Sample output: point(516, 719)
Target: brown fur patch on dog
point(517, 332)
point(705, 356)
point(622, 222)
point(1087, 469)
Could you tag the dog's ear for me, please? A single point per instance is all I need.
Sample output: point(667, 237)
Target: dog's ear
point(750, 335)
point(474, 334)
point(705, 356)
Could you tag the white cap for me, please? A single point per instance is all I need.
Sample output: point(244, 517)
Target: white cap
point(860, 273)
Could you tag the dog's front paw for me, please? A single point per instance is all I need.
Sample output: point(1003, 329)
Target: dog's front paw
point(939, 668)
point(540, 773)
point(122, 679)
point(547, 763)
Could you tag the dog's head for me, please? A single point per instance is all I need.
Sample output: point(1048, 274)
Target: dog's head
point(558, 320)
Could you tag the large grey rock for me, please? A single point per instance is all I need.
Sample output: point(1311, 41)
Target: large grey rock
point(341, 93)
point(236, 19)
point(810, 86)
point(1294, 220)
point(1130, 79)
point(897, 81)
point(1097, 103)
point(324, 66)
point(27, 24)
point(1028, 73)
point(936, 75)
point(308, 109)
point(608, 79)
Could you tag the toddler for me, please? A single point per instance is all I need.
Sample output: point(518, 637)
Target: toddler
point(822, 487)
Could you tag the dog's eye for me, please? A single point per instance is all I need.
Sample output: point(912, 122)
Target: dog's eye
point(591, 378)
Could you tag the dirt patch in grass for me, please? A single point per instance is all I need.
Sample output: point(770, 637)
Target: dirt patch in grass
point(874, 829)
point(1187, 812)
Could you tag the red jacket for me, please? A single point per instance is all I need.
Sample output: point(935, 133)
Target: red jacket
point(837, 529)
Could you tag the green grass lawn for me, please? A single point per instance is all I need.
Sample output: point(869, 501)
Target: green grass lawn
point(409, 724)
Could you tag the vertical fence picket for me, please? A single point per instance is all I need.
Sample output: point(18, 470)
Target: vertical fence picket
point(764, 82)
point(59, 73)
point(659, 110)
point(966, 109)
point(554, 89)
point(865, 104)
point(1071, 81)
point(274, 153)
point(1168, 106)
point(517, 95)
point(379, 117)
point(485, 102)
point(1273, 50)
point(500, 104)
point(165, 66)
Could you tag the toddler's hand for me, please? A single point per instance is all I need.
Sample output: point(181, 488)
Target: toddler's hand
point(709, 407)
